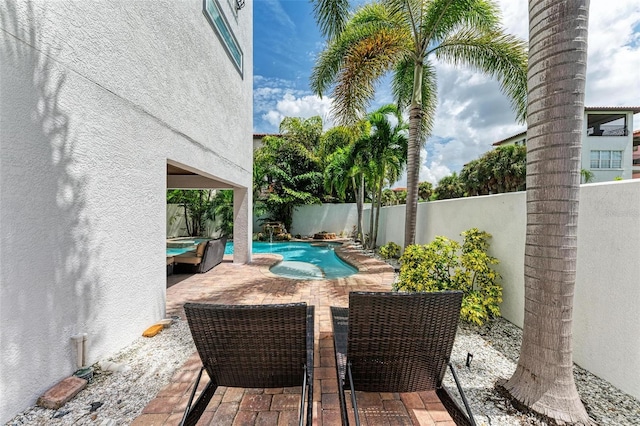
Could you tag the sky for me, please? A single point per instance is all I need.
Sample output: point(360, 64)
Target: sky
point(472, 113)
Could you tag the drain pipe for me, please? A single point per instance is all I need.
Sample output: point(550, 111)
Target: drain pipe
point(80, 341)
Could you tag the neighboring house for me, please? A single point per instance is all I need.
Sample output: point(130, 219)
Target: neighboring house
point(609, 146)
point(103, 107)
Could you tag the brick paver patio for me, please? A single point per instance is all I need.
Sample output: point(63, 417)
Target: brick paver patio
point(254, 284)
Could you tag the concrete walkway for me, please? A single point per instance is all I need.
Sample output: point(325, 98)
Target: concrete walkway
point(254, 284)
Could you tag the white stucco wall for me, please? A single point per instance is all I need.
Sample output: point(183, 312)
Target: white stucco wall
point(96, 97)
point(606, 330)
point(338, 218)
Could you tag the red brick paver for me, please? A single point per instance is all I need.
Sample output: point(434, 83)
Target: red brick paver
point(229, 283)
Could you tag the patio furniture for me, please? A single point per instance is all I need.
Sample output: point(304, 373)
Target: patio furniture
point(207, 255)
point(397, 342)
point(252, 346)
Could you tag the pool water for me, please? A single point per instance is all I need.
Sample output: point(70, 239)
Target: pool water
point(308, 261)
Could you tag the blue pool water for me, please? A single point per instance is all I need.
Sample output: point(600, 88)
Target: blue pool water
point(303, 260)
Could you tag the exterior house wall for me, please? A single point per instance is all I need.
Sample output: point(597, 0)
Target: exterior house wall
point(96, 98)
point(606, 333)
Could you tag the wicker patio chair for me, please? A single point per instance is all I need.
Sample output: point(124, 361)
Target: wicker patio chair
point(252, 346)
point(397, 342)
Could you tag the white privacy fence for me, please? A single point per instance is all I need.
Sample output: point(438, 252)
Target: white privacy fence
point(606, 327)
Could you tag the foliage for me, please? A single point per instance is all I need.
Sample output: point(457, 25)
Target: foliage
point(223, 211)
point(586, 175)
point(444, 264)
point(425, 191)
point(503, 169)
point(287, 170)
point(197, 207)
point(386, 147)
point(390, 250)
point(449, 187)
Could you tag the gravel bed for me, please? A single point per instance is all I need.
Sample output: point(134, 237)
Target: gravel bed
point(117, 398)
point(495, 348)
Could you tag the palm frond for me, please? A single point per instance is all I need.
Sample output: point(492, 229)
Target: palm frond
point(370, 45)
point(442, 17)
point(499, 55)
point(331, 16)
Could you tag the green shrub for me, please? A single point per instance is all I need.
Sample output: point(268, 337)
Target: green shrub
point(389, 250)
point(444, 264)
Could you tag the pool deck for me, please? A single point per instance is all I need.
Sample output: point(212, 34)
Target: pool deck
point(252, 283)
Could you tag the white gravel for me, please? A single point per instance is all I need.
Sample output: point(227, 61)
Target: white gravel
point(150, 363)
point(117, 398)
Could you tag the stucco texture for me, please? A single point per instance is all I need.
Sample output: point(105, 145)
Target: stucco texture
point(96, 97)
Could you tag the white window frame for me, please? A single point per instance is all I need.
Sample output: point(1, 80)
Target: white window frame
point(213, 12)
point(605, 159)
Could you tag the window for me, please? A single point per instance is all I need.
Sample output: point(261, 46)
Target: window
point(219, 23)
point(606, 159)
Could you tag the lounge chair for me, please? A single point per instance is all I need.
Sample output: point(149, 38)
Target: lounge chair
point(397, 342)
point(206, 255)
point(252, 346)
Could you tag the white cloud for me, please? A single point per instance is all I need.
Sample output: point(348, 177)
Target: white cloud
point(304, 106)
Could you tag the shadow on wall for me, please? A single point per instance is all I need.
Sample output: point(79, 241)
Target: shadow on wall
point(48, 291)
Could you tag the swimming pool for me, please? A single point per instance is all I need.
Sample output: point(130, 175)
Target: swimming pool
point(308, 261)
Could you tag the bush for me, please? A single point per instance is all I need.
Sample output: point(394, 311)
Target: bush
point(389, 250)
point(444, 264)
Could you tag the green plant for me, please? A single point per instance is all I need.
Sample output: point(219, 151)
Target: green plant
point(445, 264)
point(389, 250)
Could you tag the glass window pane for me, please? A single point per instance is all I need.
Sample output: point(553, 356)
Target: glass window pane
point(605, 159)
point(595, 159)
point(216, 18)
point(616, 159)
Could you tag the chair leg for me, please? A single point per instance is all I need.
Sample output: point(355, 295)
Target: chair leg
point(303, 397)
point(193, 412)
point(310, 401)
point(353, 396)
point(462, 395)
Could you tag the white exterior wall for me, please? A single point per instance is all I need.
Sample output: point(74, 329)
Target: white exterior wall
point(95, 98)
point(606, 329)
point(338, 218)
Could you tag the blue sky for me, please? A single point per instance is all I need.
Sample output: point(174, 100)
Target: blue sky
point(472, 113)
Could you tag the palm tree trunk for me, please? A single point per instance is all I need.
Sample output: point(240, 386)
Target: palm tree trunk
point(374, 239)
point(360, 208)
point(371, 217)
point(543, 380)
point(413, 156)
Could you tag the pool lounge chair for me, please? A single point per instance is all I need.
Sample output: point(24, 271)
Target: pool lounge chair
point(397, 342)
point(252, 346)
point(207, 255)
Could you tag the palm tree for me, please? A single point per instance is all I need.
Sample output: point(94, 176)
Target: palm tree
point(543, 380)
point(450, 187)
point(425, 190)
point(388, 146)
point(405, 36)
point(346, 165)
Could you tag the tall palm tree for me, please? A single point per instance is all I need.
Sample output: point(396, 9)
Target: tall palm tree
point(543, 379)
point(387, 147)
point(347, 164)
point(406, 36)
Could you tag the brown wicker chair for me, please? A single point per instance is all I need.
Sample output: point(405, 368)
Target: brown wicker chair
point(252, 346)
point(397, 342)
